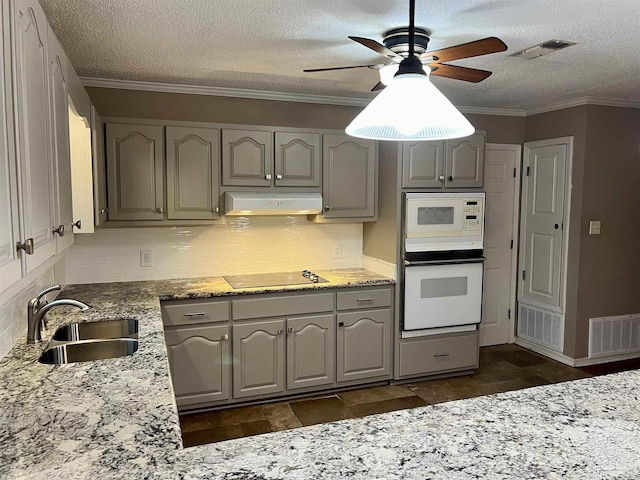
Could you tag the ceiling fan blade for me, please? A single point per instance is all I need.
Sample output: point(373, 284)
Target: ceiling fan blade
point(472, 75)
point(466, 50)
point(377, 47)
point(378, 86)
point(376, 66)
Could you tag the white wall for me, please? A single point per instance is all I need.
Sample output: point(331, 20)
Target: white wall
point(242, 245)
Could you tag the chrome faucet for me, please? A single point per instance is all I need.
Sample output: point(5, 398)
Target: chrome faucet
point(37, 309)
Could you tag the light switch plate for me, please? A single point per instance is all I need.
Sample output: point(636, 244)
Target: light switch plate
point(594, 227)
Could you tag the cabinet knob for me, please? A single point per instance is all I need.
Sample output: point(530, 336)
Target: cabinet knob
point(224, 337)
point(341, 324)
point(160, 210)
point(279, 331)
point(59, 230)
point(77, 224)
point(103, 211)
point(556, 226)
point(441, 178)
point(216, 209)
point(27, 246)
point(450, 178)
point(267, 176)
point(290, 329)
point(278, 177)
point(327, 208)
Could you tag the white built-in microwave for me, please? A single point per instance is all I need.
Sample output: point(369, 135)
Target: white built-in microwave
point(444, 221)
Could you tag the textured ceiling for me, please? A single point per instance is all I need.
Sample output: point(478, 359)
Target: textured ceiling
point(265, 44)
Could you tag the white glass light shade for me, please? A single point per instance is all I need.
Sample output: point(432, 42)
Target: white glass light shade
point(410, 108)
point(387, 72)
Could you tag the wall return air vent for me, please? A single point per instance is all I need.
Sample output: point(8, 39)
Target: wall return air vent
point(544, 48)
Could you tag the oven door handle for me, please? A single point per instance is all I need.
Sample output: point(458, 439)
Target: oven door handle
point(407, 263)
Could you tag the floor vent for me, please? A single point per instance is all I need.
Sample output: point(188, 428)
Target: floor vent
point(541, 326)
point(609, 336)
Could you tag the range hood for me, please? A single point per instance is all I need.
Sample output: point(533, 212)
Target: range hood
point(271, 203)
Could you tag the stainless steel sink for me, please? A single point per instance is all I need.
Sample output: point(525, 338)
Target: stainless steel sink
point(121, 328)
point(88, 350)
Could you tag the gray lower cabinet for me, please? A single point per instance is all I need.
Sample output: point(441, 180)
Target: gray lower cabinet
point(193, 163)
point(247, 158)
point(199, 361)
point(310, 351)
point(364, 344)
point(135, 172)
point(258, 363)
point(349, 181)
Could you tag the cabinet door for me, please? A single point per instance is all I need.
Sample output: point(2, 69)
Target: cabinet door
point(465, 162)
point(349, 177)
point(99, 169)
point(364, 344)
point(135, 172)
point(200, 363)
point(33, 129)
point(10, 265)
point(258, 354)
point(297, 159)
point(247, 158)
point(422, 164)
point(59, 109)
point(310, 351)
point(193, 162)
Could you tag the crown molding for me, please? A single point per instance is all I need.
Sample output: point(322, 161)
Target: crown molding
point(578, 102)
point(263, 95)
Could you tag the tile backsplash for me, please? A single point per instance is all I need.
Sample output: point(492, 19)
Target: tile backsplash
point(240, 245)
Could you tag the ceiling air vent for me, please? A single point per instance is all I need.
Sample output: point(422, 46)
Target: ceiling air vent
point(543, 48)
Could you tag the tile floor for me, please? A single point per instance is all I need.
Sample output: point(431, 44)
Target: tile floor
point(502, 368)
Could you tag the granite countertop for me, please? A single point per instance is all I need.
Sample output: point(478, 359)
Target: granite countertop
point(117, 418)
point(114, 418)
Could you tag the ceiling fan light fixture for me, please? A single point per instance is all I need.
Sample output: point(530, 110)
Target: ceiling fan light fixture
point(410, 108)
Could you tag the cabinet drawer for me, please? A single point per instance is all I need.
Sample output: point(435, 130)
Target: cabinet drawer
point(282, 306)
point(364, 299)
point(423, 357)
point(194, 313)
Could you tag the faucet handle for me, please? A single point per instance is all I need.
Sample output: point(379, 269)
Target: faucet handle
point(53, 288)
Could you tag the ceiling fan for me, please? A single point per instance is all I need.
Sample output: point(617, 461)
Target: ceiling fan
point(397, 45)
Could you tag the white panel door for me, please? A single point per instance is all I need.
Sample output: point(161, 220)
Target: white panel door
point(33, 129)
point(501, 182)
point(542, 228)
point(59, 108)
point(10, 264)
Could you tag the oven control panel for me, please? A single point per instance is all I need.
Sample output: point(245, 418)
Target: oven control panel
point(472, 217)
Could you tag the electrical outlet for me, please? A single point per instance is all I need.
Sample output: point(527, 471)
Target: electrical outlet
point(146, 258)
point(337, 250)
point(594, 227)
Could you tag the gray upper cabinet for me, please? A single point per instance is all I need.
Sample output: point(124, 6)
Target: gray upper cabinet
point(364, 344)
point(310, 351)
point(135, 172)
point(450, 164)
point(193, 163)
point(465, 162)
point(247, 158)
point(422, 164)
point(297, 159)
point(258, 350)
point(30, 62)
point(59, 109)
point(98, 167)
point(199, 362)
point(349, 177)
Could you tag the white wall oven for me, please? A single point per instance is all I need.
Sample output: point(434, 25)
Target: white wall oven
point(443, 262)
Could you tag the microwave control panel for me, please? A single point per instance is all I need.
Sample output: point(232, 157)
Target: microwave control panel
point(472, 217)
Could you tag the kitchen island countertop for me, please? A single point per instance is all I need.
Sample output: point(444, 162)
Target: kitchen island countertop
point(117, 419)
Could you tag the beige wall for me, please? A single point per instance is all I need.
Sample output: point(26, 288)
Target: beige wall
point(603, 276)
point(500, 129)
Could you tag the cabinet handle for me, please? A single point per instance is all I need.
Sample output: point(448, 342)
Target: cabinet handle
point(27, 246)
point(450, 178)
point(341, 324)
point(278, 177)
point(103, 211)
point(195, 314)
point(216, 209)
point(437, 355)
point(267, 176)
point(224, 337)
point(290, 330)
point(327, 208)
point(364, 300)
point(59, 230)
point(77, 224)
point(279, 331)
point(160, 210)
point(441, 178)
